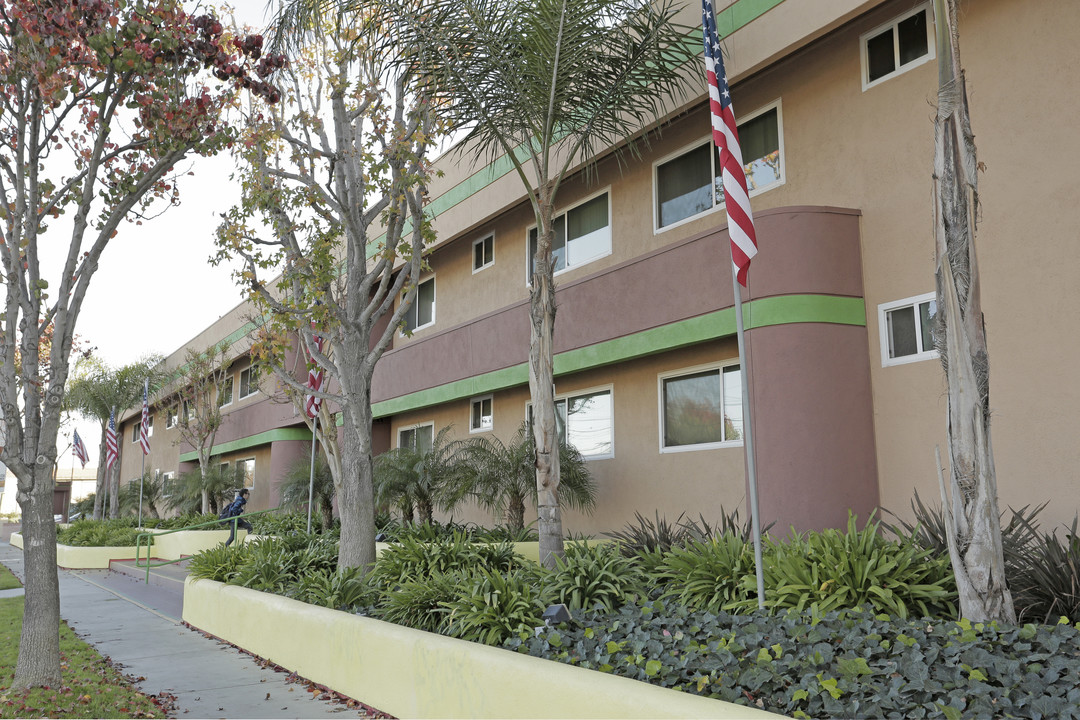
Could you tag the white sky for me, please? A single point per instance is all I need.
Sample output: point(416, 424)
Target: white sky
point(154, 288)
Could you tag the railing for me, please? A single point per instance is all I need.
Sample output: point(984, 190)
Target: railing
point(152, 534)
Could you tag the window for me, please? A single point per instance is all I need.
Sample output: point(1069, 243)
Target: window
point(172, 416)
point(418, 437)
point(481, 417)
point(167, 484)
point(701, 408)
point(906, 329)
point(189, 412)
point(690, 183)
point(896, 47)
point(245, 471)
point(149, 427)
point(249, 381)
point(226, 392)
point(223, 468)
point(582, 234)
point(422, 312)
point(483, 253)
point(586, 421)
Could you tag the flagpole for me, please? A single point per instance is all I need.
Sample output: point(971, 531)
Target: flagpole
point(311, 477)
point(748, 441)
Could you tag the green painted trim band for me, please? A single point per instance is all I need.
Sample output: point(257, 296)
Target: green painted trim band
point(766, 312)
point(269, 436)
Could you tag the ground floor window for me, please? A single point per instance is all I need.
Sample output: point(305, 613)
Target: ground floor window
point(701, 408)
point(586, 421)
point(245, 472)
point(418, 437)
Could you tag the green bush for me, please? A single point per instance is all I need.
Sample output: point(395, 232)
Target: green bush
point(1046, 580)
point(707, 574)
point(412, 559)
point(422, 603)
point(495, 607)
point(832, 570)
point(219, 563)
point(591, 576)
point(346, 590)
point(120, 532)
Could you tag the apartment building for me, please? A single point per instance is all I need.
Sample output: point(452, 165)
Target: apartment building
point(835, 101)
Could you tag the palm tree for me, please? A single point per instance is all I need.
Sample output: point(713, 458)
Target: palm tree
point(503, 474)
point(94, 391)
point(216, 485)
point(546, 84)
point(416, 477)
point(153, 496)
point(295, 486)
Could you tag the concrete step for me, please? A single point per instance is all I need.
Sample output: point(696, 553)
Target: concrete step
point(170, 577)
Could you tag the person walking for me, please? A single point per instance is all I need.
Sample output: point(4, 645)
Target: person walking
point(234, 510)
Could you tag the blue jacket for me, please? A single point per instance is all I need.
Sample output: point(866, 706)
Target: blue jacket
point(235, 508)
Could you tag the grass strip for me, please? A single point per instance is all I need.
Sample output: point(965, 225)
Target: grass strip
point(8, 581)
point(91, 687)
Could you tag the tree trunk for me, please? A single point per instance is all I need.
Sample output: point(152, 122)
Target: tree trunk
point(515, 513)
point(542, 388)
point(114, 490)
point(39, 647)
point(972, 516)
point(356, 491)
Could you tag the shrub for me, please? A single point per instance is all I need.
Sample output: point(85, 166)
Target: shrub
point(422, 603)
point(412, 559)
point(494, 607)
point(99, 533)
point(219, 563)
point(707, 574)
point(1046, 581)
point(831, 570)
point(592, 576)
point(345, 590)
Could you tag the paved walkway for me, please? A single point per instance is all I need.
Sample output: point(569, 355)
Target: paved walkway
point(138, 627)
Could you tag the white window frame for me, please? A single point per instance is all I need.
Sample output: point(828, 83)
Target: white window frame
point(694, 370)
point(560, 213)
point(566, 396)
point(931, 46)
point(231, 382)
point(166, 483)
point(472, 405)
point(715, 156)
point(413, 307)
point(883, 330)
point(253, 466)
point(138, 424)
point(491, 260)
point(240, 382)
point(172, 416)
point(416, 426)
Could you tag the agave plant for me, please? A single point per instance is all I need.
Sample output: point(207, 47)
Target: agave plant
point(503, 476)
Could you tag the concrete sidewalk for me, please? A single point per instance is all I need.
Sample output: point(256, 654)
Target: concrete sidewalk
point(210, 679)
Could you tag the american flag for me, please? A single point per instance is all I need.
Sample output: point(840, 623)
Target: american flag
point(315, 376)
point(144, 424)
point(79, 448)
point(111, 449)
point(726, 137)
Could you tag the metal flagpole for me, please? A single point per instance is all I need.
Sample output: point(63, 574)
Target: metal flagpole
point(141, 476)
point(748, 442)
point(311, 478)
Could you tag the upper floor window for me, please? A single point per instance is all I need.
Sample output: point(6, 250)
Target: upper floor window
point(483, 253)
point(422, 311)
point(189, 412)
point(172, 416)
point(701, 408)
point(225, 392)
point(149, 427)
point(417, 437)
point(582, 234)
point(906, 332)
point(690, 183)
point(897, 46)
point(249, 381)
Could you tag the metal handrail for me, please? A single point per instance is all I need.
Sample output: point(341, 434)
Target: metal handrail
point(150, 535)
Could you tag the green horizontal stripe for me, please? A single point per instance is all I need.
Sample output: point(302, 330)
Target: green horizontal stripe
point(780, 310)
point(264, 438)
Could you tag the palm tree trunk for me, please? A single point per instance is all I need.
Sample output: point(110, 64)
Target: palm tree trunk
point(972, 516)
point(542, 387)
point(515, 513)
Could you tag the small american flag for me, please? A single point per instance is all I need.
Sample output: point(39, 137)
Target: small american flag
point(144, 424)
point(726, 137)
point(112, 452)
point(79, 448)
point(315, 377)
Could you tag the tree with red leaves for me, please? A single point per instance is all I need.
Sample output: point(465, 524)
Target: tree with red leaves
point(99, 100)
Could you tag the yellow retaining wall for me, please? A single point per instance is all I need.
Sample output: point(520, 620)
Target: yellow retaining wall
point(189, 542)
point(16, 540)
point(414, 674)
point(166, 547)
